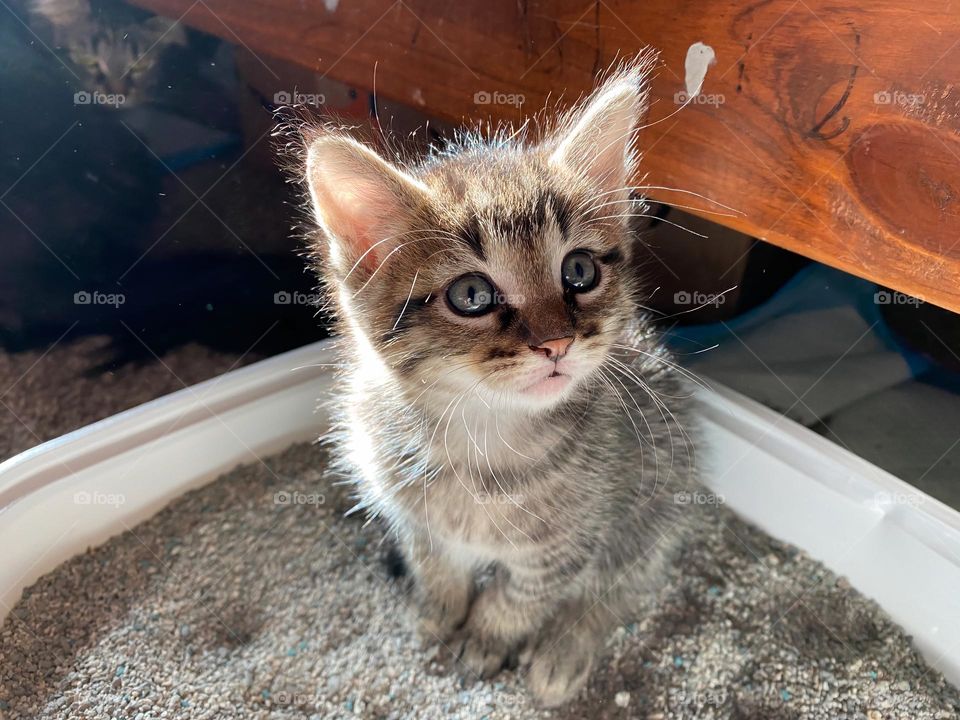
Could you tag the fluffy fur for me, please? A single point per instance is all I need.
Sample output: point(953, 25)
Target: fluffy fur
point(560, 490)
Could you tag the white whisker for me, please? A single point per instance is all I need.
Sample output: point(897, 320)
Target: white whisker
point(641, 215)
point(409, 295)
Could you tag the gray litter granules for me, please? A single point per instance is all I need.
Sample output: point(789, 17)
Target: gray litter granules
point(253, 597)
point(49, 393)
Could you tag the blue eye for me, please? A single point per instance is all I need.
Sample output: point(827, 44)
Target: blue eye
point(579, 271)
point(470, 295)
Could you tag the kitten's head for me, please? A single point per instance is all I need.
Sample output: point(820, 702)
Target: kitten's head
point(499, 268)
point(114, 48)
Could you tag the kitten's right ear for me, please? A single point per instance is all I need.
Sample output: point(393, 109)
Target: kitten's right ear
point(363, 203)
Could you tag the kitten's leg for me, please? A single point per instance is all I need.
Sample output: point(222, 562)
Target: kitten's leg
point(442, 588)
point(509, 612)
point(566, 649)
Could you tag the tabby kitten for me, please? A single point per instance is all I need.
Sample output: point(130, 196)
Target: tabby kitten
point(114, 48)
point(503, 400)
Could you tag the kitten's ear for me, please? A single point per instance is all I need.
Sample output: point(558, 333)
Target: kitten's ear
point(170, 31)
point(596, 139)
point(362, 202)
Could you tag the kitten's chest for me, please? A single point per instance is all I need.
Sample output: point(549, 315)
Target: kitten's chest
point(481, 507)
point(474, 478)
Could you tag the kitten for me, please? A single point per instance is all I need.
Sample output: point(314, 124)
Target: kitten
point(503, 400)
point(115, 49)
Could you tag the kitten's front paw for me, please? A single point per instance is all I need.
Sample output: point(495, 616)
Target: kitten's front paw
point(560, 668)
point(483, 656)
point(440, 615)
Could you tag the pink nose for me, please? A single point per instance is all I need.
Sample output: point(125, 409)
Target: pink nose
point(554, 349)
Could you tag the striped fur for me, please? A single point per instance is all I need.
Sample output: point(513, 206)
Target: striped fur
point(568, 499)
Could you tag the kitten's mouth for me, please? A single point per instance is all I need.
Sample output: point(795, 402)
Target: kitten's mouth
point(552, 384)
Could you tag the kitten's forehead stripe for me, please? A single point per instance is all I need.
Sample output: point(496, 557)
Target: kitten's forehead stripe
point(562, 210)
point(524, 223)
point(472, 235)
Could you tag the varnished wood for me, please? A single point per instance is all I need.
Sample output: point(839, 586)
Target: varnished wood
point(793, 128)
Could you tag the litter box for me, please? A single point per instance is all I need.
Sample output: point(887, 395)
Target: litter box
point(892, 542)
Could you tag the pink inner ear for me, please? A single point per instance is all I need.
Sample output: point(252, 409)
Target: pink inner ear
point(356, 218)
point(362, 242)
point(371, 260)
point(360, 200)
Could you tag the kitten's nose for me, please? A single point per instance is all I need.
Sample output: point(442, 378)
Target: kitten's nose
point(554, 349)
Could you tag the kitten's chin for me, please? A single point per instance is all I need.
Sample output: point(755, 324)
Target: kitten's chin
point(552, 386)
point(545, 388)
point(545, 393)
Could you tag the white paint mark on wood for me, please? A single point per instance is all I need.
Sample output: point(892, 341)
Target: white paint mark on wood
point(699, 58)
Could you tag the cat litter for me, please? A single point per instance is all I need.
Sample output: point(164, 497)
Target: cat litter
point(66, 392)
point(232, 603)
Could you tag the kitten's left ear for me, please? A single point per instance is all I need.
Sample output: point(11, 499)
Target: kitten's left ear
point(596, 139)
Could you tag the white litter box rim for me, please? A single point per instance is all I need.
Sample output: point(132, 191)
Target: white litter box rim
point(894, 543)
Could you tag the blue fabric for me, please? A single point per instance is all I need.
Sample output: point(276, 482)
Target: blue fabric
point(816, 287)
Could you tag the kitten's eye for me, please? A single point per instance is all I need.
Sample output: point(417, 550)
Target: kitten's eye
point(470, 295)
point(579, 271)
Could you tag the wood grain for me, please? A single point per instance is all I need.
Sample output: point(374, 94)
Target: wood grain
point(832, 127)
